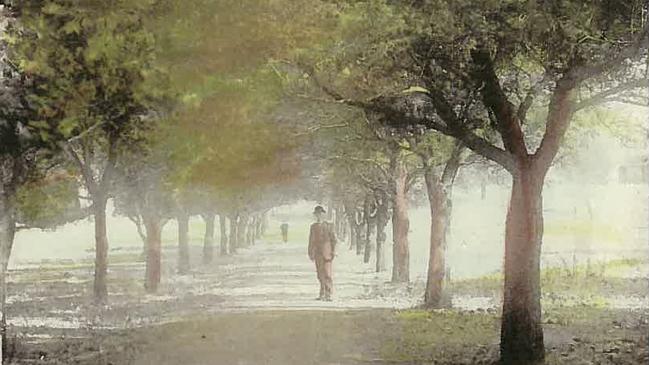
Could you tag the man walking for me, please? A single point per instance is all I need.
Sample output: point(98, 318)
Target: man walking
point(322, 249)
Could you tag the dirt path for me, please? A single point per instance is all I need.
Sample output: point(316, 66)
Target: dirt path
point(57, 299)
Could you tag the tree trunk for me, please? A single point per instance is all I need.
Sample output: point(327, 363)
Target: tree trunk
point(208, 241)
point(330, 210)
point(381, 222)
point(153, 254)
point(439, 189)
point(369, 246)
point(264, 223)
point(521, 331)
point(400, 226)
point(100, 287)
point(258, 224)
point(352, 233)
point(251, 231)
point(233, 234)
point(440, 215)
point(367, 219)
point(338, 222)
point(350, 216)
point(183, 243)
point(224, 234)
point(359, 233)
point(241, 231)
point(7, 235)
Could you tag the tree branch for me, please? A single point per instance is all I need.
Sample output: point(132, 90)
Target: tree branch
point(495, 99)
point(605, 95)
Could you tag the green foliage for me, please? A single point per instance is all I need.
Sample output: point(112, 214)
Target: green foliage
point(90, 64)
point(49, 202)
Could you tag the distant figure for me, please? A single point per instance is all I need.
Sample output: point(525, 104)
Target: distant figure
point(322, 250)
point(284, 228)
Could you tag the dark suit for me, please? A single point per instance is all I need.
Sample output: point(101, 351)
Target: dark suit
point(322, 249)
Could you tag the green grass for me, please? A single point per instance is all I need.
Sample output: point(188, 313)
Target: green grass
point(585, 229)
point(583, 283)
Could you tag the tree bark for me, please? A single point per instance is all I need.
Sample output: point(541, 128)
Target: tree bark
point(7, 235)
point(224, 234)
point(233, 234)
point(521, 331)
point(208, 240)
point(153, 254)
point(400, 226)
point(183, 243)
point(100, 287)
point(382, 218)
point(439, 189)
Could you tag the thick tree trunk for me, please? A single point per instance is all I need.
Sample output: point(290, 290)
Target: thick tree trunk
point(100, 287)
point(233, 234)
point(208, 240)
point(521, 331)
point(439, 189)
point(400, 227)
point(382, 218)
point(7, 235)
point(224, 234)
point(153, 254)
point(183, 243)
point(440, 210)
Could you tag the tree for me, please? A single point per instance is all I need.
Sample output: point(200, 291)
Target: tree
point(35, 192)
point(480, 67)
point(90, 94)
point(438, 177)
point(143, 192)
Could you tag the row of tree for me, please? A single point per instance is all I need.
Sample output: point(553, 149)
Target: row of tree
point(179, 108)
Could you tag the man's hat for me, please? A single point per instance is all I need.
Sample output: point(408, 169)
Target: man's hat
point(319, 209)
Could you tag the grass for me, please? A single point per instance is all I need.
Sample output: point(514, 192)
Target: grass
point(425, 335)
point(583, 283)
point(585, 229)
